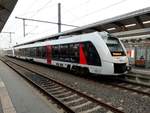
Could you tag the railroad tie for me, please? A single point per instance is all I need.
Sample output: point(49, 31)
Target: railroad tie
point(91, 110)
point(81, 105)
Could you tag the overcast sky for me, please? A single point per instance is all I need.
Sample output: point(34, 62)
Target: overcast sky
point(74, 12)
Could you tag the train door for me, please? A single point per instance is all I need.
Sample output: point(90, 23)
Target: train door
point(49, 54)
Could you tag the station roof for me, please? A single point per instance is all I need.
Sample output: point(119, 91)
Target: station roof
point(137, 22)
point(6, 7)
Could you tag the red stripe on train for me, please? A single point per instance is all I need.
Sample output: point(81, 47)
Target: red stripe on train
point(82, 55)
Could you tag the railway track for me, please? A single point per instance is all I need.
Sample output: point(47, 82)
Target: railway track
point(72, 100)
point(138, 78)
point(132, 86)
point(128, 84)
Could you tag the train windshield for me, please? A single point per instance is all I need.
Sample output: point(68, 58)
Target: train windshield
point(115, 47)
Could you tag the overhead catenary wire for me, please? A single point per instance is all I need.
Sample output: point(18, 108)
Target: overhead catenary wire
point(35, 12)
point(28, 8)
point(43, 7)
point(99, 10)
point(24, 19)
point(31, 30)
point(45, 21)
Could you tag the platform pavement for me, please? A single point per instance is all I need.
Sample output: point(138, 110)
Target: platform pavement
point(142, 71)
point(17, 96)
point(6, 103)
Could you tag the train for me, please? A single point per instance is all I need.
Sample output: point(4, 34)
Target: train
point(97, 53)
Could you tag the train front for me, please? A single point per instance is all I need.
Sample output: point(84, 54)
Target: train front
point(119, 56)
point(113, 55)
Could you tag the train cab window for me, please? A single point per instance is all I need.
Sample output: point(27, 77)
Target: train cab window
point(91, 54)
point(115, 47)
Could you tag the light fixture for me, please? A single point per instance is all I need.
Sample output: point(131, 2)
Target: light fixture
point(110, 29)
point(130, 25)
point(146, 22)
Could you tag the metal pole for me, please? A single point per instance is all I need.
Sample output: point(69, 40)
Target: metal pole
point(59, 17)
point(24, 32)
point(10, 34)
point(10, 37)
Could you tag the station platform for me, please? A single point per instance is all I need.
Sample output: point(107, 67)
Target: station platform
point(17, 96)
point(141, 71)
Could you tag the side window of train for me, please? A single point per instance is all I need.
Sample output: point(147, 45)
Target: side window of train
point(34, 49)
point(37, 52)
point(25, 51)
point(43, 52)
point(32, 52)
point(55, 53)
point(20, 52)
point(91, 54)
point(28, 49)
point(73, 52)
point(76, 52)
point(66, 52)
point(60, 52)
point(40, 50)
point(63, 52)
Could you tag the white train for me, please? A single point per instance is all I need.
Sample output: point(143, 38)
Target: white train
point(97, 52)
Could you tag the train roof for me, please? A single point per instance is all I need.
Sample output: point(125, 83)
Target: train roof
point(126, 22)
point(65, 40)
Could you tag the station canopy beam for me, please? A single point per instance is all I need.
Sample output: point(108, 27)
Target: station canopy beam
point(139, 21)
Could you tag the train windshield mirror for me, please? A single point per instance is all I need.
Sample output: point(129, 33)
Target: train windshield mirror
point(115, 47)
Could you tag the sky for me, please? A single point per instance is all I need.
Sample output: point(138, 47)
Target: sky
point(74, 12)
